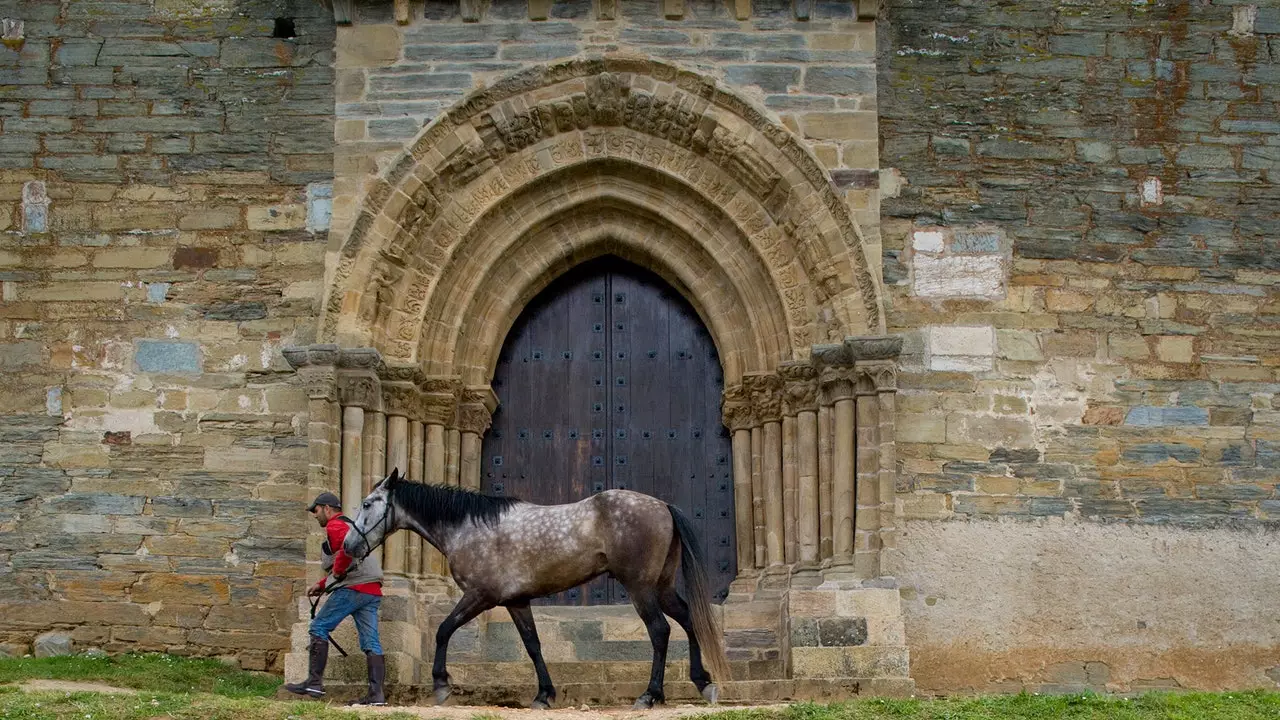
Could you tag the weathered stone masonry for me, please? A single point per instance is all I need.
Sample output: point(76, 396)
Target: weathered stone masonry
point(1081, 237)
point(163, 178)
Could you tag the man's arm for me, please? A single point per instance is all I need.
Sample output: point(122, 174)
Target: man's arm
point(337, 532)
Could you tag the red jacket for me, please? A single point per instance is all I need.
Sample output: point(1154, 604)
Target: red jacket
point(337, 532)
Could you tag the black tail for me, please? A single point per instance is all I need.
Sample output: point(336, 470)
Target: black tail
point(705, 628)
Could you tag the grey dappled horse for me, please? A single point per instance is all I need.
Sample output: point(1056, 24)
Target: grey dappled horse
point(506, 552)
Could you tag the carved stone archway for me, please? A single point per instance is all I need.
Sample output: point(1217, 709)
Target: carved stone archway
point(661, 166)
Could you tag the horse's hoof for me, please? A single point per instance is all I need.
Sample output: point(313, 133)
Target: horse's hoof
point(711, 694)
point(540, 705)
point(442, 695)
point(645, 702)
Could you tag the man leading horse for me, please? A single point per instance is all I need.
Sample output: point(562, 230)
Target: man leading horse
point(355, 590)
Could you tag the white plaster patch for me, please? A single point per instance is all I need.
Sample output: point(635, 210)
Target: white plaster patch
point(1152, 191)
point(138, 421)
point(319, 206)
point(930, 241)
point(959, 276)
point(1243, 18)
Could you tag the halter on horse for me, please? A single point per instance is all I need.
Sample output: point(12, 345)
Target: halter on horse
point(506, 552)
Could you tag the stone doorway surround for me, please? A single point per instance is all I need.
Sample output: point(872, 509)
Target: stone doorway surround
point(632, 157)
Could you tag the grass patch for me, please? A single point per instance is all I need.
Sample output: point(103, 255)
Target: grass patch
point(18, 705)
point(1253, 705)
point(152, 671)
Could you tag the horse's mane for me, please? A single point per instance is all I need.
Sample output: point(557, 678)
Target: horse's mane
point(448, 505)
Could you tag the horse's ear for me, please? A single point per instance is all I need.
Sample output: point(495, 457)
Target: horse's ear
point(395, 476)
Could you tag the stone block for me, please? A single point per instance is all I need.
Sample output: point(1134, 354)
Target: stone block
point(839, 125)
point(166, 356)
point(53, 644)
point(181, 589)
point(1160, 453)
point(861, 662)
point(958, 277)
point(1175, 349)
point(922, 428)
point(1152, 416)
point(770, 78)
point(95, 504)
point(21, 354)
point(847, 80)
point(371, 45)
point(842, 632)
point(277, 217)
point(989, 431)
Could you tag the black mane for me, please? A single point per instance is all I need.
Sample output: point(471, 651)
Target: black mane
point(445, 505)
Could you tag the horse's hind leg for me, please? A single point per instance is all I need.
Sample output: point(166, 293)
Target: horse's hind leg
point(522, 616)
point(646, 603)
point(676, 607)
point(464, 612)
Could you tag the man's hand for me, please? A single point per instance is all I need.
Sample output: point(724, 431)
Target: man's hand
point(316, 590)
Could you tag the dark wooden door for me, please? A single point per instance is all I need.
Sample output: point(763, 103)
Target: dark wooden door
point(610, 380)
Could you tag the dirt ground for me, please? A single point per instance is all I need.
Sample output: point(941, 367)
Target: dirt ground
point(456, 712)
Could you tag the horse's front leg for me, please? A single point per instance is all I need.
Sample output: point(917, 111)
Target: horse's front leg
point(471, 605)
point(522, 616)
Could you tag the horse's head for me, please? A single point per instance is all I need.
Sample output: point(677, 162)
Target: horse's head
point(376, 520)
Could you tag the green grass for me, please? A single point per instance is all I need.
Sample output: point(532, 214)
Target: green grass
point(201, 689)
point(152, 671)
point(18, 705)
point(1254, 705)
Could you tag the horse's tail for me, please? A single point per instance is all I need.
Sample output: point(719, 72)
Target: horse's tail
point(705, 628)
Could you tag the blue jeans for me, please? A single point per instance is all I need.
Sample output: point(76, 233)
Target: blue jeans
point(363, 609)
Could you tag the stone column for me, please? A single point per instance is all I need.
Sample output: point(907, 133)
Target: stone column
point(414, 554)
point(757, 497)
point(766, 396)
point(801, 413)
point(474, 415)
point(352, 459)
point(452, 447)
point(886, 382)
point(790, 488)
point(866, 541)
point(739, 417)
point(838, 385)
point(825, 436)
point(397, 458)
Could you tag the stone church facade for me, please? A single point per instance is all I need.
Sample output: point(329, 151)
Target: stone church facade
point(992, 291)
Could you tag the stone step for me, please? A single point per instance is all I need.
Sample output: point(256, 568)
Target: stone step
point(622, 694)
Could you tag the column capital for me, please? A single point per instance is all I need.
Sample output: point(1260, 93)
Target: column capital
point(360, 389)
point(736, 409)
point(800, 387)
point(441, 398)
point(765, 391)
point(881, 375)
point(475, 413)
point(838, 383)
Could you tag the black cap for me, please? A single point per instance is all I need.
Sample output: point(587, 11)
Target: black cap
point(325, 498)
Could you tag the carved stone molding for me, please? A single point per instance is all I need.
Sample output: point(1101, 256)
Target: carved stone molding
point(360, 359)
point(302, 356)
point(874, 348)
point(402, 399)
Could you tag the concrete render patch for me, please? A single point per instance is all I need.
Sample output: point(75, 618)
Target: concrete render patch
point(1012, 598)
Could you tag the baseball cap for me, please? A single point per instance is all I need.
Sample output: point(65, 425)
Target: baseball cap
point(325, 498)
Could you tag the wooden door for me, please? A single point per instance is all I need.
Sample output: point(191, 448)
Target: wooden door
point(610, 380)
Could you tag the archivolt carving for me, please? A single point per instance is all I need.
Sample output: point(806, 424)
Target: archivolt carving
point(449, 194)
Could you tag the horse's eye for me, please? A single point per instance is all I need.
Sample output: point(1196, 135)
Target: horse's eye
point(365, 504)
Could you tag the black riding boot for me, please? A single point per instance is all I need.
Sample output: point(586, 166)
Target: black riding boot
point(377, 674)
point(317, 659)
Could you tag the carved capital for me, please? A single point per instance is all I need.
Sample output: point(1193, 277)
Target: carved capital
point(838, 383)
point(476, 411)
point(402, 399)
point(441, 397)
point(800, 387)
point(359, 389)
point(737, 410)
point(400, 373)
point(830, 355)
point(882, 376)
point(320, 381)
point(765, 390)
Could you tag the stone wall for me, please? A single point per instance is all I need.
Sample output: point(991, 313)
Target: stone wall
point(164, 178)
point(1080, 231)
point(816, 76)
